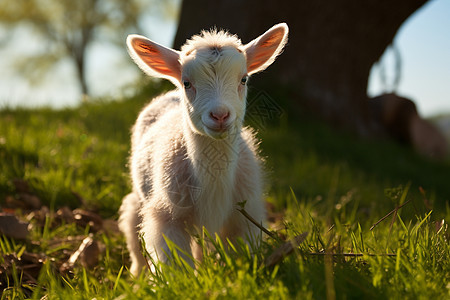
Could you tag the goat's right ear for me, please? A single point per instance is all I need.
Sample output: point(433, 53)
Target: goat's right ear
point(155, 59)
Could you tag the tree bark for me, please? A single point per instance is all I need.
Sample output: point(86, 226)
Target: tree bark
point(332, 47)
point(81, 75)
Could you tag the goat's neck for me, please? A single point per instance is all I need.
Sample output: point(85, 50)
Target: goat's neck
point(214, 164)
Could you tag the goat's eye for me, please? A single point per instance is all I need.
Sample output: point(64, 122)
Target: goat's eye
point(244, 80)
point(186, 84)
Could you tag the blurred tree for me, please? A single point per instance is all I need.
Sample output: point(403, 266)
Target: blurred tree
point(69, 28)
point(332, 47)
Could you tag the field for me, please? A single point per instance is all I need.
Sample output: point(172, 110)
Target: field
point(349, 218)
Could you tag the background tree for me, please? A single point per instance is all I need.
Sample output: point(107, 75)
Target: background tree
point(68, 28)
point(332, 47)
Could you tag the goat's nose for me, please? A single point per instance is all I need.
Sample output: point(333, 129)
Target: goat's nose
point(220, 117)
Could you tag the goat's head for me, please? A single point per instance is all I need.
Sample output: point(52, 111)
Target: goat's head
point(212, 69)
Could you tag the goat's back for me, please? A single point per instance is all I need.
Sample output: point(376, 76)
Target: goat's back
point(153, 112)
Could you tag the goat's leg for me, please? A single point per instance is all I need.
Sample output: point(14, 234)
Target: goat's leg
point(240, 226)
point(129, 222)
point(156, 230)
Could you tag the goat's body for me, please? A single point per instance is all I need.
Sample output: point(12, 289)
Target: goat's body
point(183, 181)
point(192, 163)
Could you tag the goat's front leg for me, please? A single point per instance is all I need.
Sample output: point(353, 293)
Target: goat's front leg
point(157, 229)
point(239, 226)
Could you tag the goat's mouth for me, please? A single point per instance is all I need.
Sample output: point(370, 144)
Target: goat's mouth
point(217, 132)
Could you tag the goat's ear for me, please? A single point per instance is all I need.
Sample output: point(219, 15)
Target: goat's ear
point(155, 59)
point(262, 51)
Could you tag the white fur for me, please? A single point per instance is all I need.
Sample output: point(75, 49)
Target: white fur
point(191, 160)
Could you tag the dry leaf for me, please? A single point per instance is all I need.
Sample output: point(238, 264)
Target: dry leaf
point(65, 215)
point(285, 249)
point(87, 255)
point(12, 227)
point(30, 201)
point(84, 218)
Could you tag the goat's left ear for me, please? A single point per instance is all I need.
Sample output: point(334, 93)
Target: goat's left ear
point(262, 51)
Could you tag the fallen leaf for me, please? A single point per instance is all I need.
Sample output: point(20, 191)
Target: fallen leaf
point(65, 214)
point(12, 203)
point(28, 265)
point(39, 215)
point(30, 201)
point(12, 227)
point(90, 255)
point(87, 255)
point(285, 249)
point(84, 218)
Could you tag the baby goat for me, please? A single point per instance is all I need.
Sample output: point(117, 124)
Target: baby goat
point(191, 160)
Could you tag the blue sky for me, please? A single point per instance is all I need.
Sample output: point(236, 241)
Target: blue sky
point(423, 42)
point(424, 45)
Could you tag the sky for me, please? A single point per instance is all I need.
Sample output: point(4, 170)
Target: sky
point(423, 42)
point(109, 69)
point(424, 45)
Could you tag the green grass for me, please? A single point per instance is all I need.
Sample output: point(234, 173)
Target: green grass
point(324, 182)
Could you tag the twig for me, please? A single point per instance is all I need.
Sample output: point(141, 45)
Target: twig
point(393, 211)
point(250, 218)
point(288, 248)
point(285, 249)
point(349, 254)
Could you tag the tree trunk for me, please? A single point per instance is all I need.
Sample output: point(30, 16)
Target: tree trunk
point(332, 47)
point(81, 75)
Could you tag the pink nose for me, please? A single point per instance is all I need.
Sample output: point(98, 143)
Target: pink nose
point(221, 117)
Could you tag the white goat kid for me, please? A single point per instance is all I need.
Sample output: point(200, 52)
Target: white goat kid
point(191, 160)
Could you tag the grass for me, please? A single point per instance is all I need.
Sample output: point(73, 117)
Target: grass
point(321, 182)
